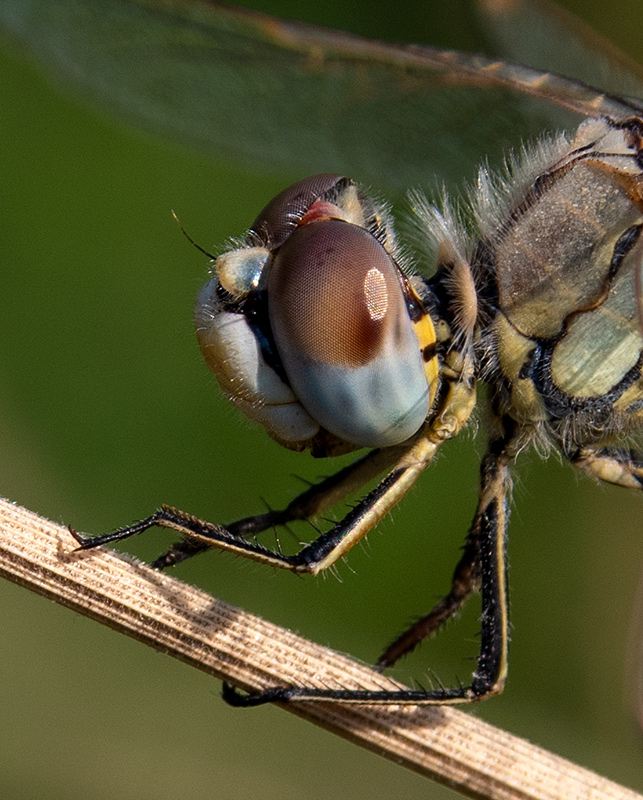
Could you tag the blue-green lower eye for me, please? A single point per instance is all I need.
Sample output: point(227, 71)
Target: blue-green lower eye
point(312, 329)
point(343, 333)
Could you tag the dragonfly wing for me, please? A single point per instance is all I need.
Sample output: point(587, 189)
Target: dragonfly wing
point(542, 35)
point(279, 94)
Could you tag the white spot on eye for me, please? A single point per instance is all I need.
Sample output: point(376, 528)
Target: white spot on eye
point(375, 293)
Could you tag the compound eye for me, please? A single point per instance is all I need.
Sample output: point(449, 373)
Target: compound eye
point(282, 214)
point(343, 333)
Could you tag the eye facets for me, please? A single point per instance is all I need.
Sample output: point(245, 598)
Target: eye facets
point(323, 298)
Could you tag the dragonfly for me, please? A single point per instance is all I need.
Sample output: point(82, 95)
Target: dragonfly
point(533, 289)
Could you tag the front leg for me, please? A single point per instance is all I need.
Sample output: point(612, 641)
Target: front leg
point(327, 548)
point(458, 400)
point(309, 504)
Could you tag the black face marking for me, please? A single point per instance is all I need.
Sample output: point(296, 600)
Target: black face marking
point(414, 305)
point(429, 352)
point(255, 309)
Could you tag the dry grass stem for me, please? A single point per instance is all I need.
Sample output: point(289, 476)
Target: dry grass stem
point(450, 746)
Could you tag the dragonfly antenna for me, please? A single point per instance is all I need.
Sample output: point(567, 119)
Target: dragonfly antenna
point(190, 239)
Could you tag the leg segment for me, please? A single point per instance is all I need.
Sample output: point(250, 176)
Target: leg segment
point(482, 566)
point(466, 580)
point(467, 576)
point(307, 505)
point(325, 550)
point(620, 466)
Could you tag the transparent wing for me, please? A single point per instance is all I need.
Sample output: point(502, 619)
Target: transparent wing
point(285, 94)
point(544, 36)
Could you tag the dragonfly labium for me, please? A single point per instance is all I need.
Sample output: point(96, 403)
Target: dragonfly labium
point(320, 327)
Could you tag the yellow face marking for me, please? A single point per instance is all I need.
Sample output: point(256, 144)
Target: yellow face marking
point(424, 331)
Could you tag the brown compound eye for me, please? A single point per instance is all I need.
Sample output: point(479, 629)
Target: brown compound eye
point(283, 213)
point(343, 332)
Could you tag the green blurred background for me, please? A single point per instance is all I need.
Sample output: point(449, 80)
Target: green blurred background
point(106, 410)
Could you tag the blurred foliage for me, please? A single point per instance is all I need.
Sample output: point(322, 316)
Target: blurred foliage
point(106, 410)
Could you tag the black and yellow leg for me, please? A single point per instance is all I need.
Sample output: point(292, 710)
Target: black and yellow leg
point(409, 460)
point(482, 566)
point(483, 559)
point(620, 466)
point(306, 506)
point(327, 548)
point(467, 576)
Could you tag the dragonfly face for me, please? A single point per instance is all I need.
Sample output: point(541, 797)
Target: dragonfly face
point(313, 330)
point(318, 328)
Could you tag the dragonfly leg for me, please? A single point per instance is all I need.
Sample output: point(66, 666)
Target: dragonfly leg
point(307, 505)
point(327, 548)
point(483, 567)
point(466, 581)
point(620, 466)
